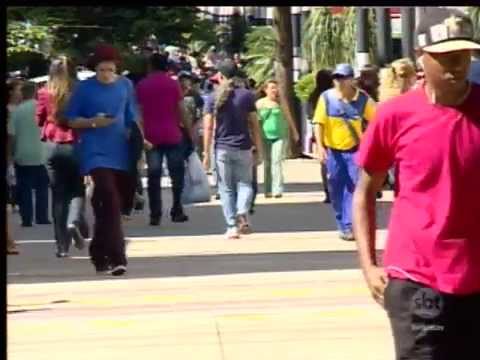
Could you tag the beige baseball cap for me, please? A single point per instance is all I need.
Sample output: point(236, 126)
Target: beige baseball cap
point(444, 30)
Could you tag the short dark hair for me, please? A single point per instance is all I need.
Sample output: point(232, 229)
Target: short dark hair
point(158, 62)
point(28, 89)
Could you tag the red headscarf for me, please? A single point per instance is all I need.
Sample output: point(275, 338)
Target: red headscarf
point(105, 52)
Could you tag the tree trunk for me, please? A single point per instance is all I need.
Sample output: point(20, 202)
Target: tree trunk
point(282, 26)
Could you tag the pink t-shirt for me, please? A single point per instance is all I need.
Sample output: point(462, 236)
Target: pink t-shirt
point(159, 95)
point(434, 230)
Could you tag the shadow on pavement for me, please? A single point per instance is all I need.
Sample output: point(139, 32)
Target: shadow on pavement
point(208, 220)
point(48, 269)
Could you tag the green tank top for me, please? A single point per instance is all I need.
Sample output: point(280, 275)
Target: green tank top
point(273, 123)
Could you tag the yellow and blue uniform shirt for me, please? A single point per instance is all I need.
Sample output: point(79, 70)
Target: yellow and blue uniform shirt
point(336, 134)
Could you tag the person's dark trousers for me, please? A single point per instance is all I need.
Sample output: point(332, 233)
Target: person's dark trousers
point(136, 188)
point(323, 173)
point(175, 155)
point(254, 187)
point(431, 325)
point(68, 192)
point(109, 196)
point(30, 178)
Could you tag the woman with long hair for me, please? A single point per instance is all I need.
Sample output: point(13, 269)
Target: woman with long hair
point(397, 79)
point(66, 182)
point(275, 127)
point(323, 82)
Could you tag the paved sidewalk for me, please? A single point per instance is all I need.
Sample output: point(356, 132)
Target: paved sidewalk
point(65, 311)
point(299, 316)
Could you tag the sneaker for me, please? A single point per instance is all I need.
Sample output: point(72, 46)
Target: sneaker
point(232, 233)
point(61, 254)
point(347, 236)
point(154, 221)
point(217, 196)
point(118, 270)
point(243, 225)
point(75, 233)
point(139, 202)
point(12, 250)
point(83, 227)
point(178, 216)
point(278, 196)
point(103, 269)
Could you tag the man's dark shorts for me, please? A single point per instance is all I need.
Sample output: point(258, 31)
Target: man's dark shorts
point(429, 325)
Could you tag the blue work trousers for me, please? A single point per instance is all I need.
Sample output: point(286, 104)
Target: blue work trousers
point(342, 174)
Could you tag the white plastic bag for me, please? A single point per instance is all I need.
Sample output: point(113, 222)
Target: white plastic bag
point(11, 178)
point(197, 187)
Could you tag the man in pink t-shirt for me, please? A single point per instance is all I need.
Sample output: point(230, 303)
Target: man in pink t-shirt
point(430, 280)
point(160, 101)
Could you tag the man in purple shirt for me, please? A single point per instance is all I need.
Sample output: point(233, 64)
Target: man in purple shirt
point(161, 104)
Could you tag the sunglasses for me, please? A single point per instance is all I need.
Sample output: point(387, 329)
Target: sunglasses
point(341, 77)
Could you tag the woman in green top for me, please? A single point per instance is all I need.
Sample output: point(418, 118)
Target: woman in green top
point(275, 138)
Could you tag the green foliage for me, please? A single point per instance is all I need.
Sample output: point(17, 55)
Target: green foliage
point(23, 37)
point(75, 30)
point(305, 86)
point(260, 55)
point(331, 39)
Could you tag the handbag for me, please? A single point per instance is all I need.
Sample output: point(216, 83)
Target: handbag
point(196, 186)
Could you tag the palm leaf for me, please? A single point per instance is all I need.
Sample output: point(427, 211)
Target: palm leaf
point(331, 39)
point(260, 54)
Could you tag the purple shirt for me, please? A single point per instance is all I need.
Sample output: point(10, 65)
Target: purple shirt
point(159, 96)
point(231, 130)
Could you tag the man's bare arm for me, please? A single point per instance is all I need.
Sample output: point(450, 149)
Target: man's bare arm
point(321, 150)
point(208, 126)
point(364, 227)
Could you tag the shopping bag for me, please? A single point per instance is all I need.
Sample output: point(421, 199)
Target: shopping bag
point(197, 187)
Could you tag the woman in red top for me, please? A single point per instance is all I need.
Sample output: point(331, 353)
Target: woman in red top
point(67, 184)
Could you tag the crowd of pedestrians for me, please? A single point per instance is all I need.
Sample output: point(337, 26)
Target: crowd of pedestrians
point(95, 136)
point(414, 126)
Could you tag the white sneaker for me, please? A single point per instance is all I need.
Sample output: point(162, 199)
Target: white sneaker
point(118, 270)
point(232, 233)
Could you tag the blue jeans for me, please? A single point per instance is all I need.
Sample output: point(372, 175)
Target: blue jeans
point(175, 155)
point(342, 173)
point(31, 178)
point(234, 169)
